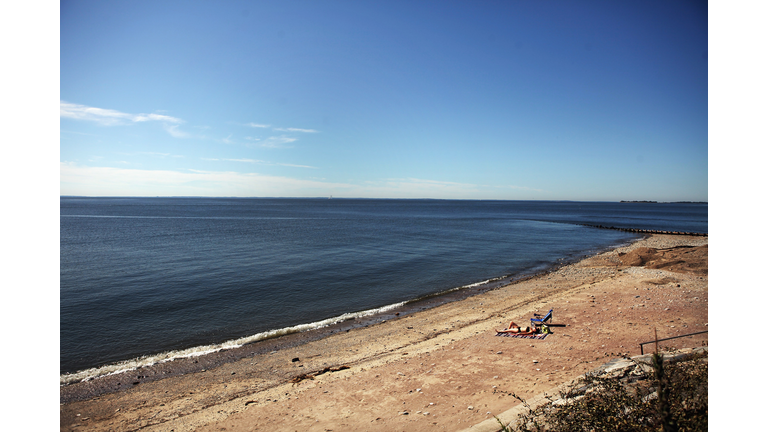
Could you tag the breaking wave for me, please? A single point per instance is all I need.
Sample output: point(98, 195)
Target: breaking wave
point(148, 360)
point(129, 365)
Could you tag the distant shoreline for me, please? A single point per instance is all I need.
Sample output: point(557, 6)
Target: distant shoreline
point(665, 202)
point(370, 198)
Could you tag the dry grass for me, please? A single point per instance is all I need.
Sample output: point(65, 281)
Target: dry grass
point(662, 396)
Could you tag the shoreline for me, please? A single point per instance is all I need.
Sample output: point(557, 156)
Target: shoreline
point(276, 339)
point(252, 383)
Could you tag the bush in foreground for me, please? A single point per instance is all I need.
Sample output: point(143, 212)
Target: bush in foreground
point(661, 396)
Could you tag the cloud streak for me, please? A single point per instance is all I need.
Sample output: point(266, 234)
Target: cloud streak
point(295, 130)
point(174, 131)
point(158, 154)
point(109, 181)
point(281, 141)
point(109, 117)
point(260, 162)
point(280, 129)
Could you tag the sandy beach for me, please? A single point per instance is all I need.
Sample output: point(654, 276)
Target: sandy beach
point(439, 369)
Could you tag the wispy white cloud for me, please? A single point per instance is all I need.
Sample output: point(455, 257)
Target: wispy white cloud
point(280, 129)
point(155, 117)
point(153, 154)
point(103, 116)
point(111, 181)
point(158, 154)
point(293, 165)
point(242, 160)
point(109, 117)
point(295, 130)
point(277, 142)
point(174, 131)
point(260, 162)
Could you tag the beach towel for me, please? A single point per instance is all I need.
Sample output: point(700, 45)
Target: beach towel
point(514, 335)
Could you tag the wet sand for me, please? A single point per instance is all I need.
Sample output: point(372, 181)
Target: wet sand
point(422, 371)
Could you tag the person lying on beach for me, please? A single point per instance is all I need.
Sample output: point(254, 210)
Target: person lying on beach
point(514, 328)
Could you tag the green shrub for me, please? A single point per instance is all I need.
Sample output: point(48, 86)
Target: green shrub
point(667, 396)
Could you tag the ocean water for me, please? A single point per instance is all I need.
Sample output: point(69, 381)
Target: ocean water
point(166, 277)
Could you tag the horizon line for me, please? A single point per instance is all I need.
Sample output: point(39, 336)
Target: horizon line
point(372, 198)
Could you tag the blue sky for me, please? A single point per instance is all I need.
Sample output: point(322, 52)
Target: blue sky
point(548, 100)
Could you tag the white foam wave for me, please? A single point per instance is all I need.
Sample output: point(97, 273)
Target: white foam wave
point(133, 364)
point(472, 285)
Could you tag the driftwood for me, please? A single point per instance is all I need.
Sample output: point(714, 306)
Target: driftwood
point(311, 375)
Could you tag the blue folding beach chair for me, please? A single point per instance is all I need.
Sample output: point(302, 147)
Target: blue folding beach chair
point(539, 320)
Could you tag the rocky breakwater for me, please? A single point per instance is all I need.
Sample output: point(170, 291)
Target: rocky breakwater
point(647, 231)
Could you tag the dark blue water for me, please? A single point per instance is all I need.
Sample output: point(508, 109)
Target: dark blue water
point(147, 275)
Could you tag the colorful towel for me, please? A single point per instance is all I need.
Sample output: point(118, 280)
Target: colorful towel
point(515, 335)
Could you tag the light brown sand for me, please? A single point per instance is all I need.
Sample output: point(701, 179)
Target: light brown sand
point(444, 367)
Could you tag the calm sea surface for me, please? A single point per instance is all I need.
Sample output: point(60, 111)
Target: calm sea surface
point(141, 276)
